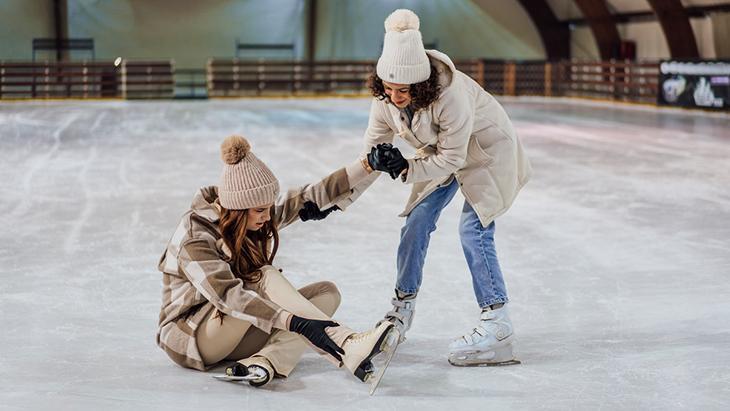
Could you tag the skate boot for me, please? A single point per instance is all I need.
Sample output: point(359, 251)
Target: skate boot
point(257, 371)
point(404, 308)
point(489, 343)
point(360, 348)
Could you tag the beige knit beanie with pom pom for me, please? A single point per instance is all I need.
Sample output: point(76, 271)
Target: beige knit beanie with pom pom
point(404, 60)
point(246, 182)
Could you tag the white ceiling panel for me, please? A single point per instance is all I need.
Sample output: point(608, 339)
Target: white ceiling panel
point(628, 6)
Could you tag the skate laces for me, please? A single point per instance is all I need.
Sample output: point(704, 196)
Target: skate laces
point(366, 334)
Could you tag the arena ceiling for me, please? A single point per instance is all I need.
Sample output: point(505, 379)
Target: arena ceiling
point(554, 19)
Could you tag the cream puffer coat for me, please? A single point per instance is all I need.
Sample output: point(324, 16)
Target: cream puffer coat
point(465, 134)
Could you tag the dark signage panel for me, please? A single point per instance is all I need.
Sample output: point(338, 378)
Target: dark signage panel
point(697, 84)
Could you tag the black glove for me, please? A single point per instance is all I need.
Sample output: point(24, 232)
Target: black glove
point(311, 211)
point(377, 158)
point(313, 330)
point(395, 162)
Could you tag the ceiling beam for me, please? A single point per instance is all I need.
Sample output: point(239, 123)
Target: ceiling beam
point(602, 25)
point(675, 24)
point(649, 15)
point(311, 34)
point(60, 26)
point(554, 34)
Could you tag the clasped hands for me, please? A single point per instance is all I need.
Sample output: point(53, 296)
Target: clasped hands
point(385, 157)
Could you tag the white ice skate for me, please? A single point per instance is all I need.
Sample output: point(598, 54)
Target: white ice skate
point(488, 344)
point(255, 373)
point(361, 348)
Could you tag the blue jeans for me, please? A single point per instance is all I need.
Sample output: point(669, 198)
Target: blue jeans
point(476, 240)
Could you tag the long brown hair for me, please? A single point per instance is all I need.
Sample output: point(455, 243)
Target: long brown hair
point(249, 249)
point(422, 94)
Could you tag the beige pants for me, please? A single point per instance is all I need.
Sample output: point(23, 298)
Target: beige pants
point(235, 339)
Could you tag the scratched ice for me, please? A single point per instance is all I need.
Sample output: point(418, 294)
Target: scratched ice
point(616, 256)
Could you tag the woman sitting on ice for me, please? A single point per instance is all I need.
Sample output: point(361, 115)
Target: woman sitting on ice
point(224, 300)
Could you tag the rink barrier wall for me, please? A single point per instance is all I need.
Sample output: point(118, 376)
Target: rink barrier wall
point(86, 79)
point(613, 80)
point(245, 78)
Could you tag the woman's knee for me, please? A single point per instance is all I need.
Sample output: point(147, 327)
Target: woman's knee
point(467, 231)
point(330, 289)
point(418, 224)
point(324, 295)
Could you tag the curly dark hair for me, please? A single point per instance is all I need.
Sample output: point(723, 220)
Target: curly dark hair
point(422, 94)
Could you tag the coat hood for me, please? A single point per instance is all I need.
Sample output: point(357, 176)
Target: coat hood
point(443, 65)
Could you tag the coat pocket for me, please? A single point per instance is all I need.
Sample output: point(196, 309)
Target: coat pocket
point(477, 154)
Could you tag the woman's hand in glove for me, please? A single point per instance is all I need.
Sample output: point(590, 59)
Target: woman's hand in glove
point(378, 158)
point(396, 163)
point(310, 211)
point(313, 330)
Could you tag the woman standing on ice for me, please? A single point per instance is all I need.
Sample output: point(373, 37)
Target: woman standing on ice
point(464, 139)
point(223, 299)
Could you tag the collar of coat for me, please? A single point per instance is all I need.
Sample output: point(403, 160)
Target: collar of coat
point(207, 206)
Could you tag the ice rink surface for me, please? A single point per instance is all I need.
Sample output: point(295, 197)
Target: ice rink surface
point(616, 257)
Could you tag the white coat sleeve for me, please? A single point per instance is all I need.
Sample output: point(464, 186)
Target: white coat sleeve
point(454, 111)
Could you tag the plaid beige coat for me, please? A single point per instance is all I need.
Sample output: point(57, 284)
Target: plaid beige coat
point(196, 278)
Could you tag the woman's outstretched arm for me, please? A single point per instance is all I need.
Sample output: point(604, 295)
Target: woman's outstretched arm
point(323, 194)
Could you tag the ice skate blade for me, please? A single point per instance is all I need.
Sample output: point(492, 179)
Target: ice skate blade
point(388, 347)
point(235, 378)
point(500, 356)
point(458, 363)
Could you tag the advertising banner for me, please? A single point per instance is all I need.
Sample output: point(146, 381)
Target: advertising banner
point(697, 84)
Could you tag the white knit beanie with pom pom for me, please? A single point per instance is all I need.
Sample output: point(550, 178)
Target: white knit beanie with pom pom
point(246, 182)
point(404, 59)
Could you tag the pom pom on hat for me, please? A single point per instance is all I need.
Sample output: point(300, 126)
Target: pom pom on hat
point(246, 182)
point(234, 149)
point(402, 20)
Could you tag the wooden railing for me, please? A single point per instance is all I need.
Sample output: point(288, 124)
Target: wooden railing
point(609, 80)
point(236, 77)
point(53, 80)
point(88, 79)
point(627, 81)
point(148, 79)
point(614, 80)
